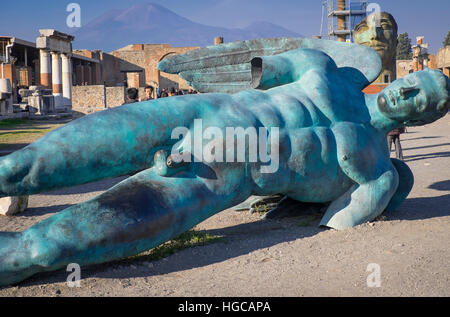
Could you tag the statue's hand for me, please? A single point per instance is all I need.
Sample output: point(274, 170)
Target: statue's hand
point(265, 204)
point(362, 202)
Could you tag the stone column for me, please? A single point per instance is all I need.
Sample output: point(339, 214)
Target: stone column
point(79, 74)
point(46, 69)
point(89, 74)
point(85, 75)
point(66, 81)
point(56, 79)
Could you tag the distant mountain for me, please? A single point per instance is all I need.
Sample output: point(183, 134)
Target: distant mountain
point(153, 23)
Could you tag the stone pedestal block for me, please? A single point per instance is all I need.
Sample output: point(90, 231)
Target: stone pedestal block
point(10, 206)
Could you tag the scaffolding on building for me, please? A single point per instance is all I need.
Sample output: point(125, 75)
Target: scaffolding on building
point(350, 12)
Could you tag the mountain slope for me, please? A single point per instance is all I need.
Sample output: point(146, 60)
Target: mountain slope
point(153, 23)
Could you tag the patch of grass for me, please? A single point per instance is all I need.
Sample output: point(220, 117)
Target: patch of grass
point(16, 133)
point(380, 218)
point(309, 220)
point(20, 136)
point(186, 240)
point(13, 122)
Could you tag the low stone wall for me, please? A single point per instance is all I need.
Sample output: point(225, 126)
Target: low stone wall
point(94, 98)
point(115, 96)
point(88, 99)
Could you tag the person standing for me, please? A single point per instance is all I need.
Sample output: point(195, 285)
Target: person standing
point(394, 138)
point(132, 95)
point(172, 92)
point(148, 93)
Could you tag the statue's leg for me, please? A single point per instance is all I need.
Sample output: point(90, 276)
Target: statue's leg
point(138, 214)
point(110, 143)
point(405, 184)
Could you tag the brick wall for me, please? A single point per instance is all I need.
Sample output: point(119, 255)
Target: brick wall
point(144, 58)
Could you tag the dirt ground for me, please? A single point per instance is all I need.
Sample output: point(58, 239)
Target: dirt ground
point(290, 257)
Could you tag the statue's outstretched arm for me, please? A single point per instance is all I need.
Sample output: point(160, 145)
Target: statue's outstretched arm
point(362, 202)
point(106, 144)
point(136, 215)
point(375, 178)
point(272, 71)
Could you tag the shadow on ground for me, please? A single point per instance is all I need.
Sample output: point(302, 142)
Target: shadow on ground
point(41, 211)
point(88, 188)
point(444, 185)
point(421, 208)
point(8, 148)
point(423, 137)
point(411, 158)
point(426, 147)
point(244, 238)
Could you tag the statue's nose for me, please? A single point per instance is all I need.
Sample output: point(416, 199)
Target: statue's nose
point(374, 32)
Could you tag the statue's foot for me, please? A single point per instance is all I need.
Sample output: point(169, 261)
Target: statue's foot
point(288, 207)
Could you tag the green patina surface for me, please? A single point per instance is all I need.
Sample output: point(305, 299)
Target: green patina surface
point(332, 148)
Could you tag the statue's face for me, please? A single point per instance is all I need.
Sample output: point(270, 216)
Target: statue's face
point(378, 32)
point(416, 99)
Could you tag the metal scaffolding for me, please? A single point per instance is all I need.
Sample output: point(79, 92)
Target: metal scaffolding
point(352, 13)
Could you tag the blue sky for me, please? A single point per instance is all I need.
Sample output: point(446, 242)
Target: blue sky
point(417, 17)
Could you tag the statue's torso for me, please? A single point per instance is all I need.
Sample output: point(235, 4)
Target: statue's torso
point(319, 124)
point(310, 168)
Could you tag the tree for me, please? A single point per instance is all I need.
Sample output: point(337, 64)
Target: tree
point(447, 40)
point(404, 50)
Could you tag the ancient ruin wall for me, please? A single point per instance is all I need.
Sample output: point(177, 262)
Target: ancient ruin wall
point(88, 99)
point(115, 96)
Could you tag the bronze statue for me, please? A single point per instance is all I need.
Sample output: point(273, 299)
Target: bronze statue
point(379, 32)
point(330, 147)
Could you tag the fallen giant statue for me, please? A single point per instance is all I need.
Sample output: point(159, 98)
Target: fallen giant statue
point(332, 148)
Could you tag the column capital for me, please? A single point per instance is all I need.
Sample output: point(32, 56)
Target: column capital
point(44, 52)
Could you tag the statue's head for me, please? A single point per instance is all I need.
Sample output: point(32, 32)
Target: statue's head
point(416, 99)
point(379, 32)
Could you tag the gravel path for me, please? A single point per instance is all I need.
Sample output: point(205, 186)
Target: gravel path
point(291, 257)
